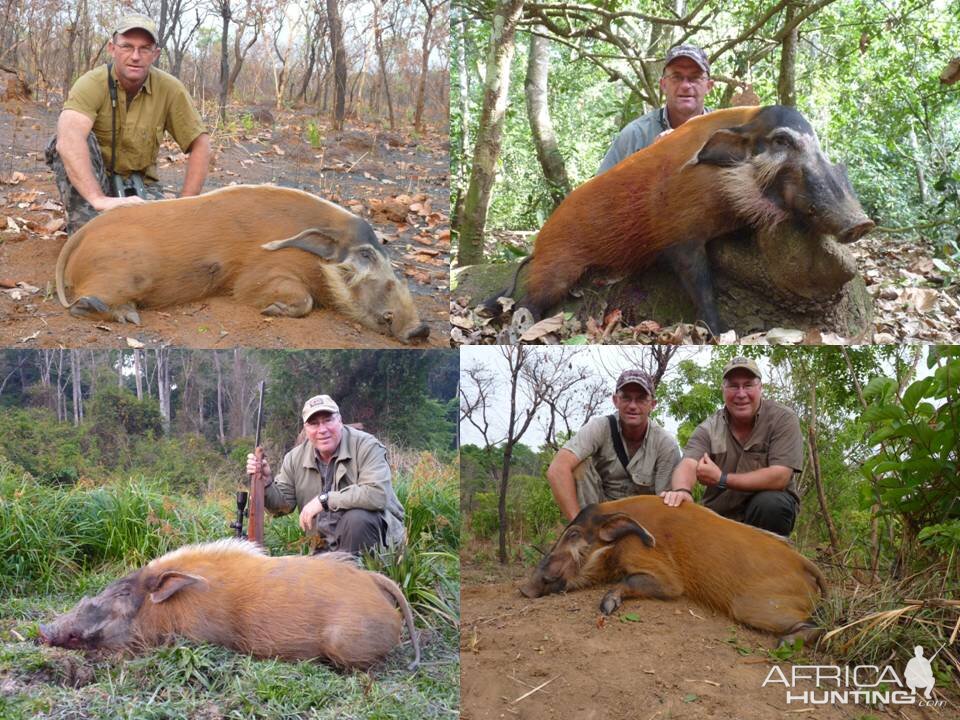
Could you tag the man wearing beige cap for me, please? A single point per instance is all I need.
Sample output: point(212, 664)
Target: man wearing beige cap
point(747, 454)
point(113, 121)
point(618, 455)
point(684, 83)
point(339, 479)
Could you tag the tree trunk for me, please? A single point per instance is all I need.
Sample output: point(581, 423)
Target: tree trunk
point(339, 64)
point(138, 373)
point(917, 158)
point(463, 95)
point(817, 477)
point(224, 59)
point(787, 84)
point(163, 387)
point(538, 113)
point(76, 386)
point(490, 131)
point(424, 66)
point(220, 433)
point(382, 58)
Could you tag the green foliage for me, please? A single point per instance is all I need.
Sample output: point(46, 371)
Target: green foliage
point(51, 451)
point(115, 412)
point(918, 434)
point(485, 517)
point(314, 134)
point(388, 391)
point(49, 534)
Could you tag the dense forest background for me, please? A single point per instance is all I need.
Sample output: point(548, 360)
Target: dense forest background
point(349, 58)
point(867, 76)
point(879, 488)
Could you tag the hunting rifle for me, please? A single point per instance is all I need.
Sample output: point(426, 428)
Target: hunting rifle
point(255, 526)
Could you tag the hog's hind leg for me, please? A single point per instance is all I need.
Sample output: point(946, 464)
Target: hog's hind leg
point(279, 296)
point(93, 308)
point(786, 616)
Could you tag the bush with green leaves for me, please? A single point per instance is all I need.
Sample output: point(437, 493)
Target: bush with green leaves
point(918, 434)
point(51, 451)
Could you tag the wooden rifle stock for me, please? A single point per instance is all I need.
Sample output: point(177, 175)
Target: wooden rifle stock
point(255, 526)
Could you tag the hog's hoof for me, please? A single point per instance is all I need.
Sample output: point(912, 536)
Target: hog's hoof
point(282, 309)
point(90, 306)
point(127, 313)
point(808, 632)
point(611, 601)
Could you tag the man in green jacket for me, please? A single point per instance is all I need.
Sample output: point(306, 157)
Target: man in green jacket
point(339, 479)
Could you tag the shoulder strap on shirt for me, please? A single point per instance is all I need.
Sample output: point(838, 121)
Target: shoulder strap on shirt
point(618, 442)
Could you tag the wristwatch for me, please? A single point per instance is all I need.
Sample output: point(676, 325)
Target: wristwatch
point(323, 497)
point(722, 482)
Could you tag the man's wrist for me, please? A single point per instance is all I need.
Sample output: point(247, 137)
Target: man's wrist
point(722, 482)
point(323, 498)
point(683, 490)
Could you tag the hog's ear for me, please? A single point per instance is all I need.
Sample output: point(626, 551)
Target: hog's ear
point(726, 147)
point(318, 241)
point(618, 526)
point(170, 582)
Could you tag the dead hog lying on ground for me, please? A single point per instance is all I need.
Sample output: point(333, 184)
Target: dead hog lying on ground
point(230, 593)
point(654, 551)
point(245, 240)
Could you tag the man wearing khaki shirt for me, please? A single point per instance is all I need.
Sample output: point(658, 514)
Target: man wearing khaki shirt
point(339, 479)
point(747, 454)
point(640, 466)
point(127, 105)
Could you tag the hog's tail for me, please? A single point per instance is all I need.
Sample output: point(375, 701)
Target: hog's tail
point(394, 591)
point(65, 252)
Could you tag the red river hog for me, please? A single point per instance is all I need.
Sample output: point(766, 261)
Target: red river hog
point(230, 593)
point(719, 172)
point(281, 250)
point(653, 551)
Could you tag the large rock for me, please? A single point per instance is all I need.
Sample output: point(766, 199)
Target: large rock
point(780, 278)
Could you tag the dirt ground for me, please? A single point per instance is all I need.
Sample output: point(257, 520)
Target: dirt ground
point(397, 182)
point(552, 658)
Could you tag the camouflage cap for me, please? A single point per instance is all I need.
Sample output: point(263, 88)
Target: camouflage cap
point(636, 377)
point(688, 51)
point(136, 21)
point(742, 363)
point(319, 403)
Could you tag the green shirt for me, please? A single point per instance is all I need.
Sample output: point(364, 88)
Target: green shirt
point(163, 104)
point(775, 440)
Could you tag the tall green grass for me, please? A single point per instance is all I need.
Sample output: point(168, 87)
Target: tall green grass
point(51, 534)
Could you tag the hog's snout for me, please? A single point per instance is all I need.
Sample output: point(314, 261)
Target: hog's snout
point(856, 232)
point(45, 633)
point(420, 332)
point(531, 589)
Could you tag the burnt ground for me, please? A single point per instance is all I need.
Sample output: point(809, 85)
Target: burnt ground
point(650, 660)
point(396, 181)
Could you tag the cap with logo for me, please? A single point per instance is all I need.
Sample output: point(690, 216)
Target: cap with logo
point(636, 377)
point(141, 22)
point(319, 403)
point(742, 363)
point(688, 51)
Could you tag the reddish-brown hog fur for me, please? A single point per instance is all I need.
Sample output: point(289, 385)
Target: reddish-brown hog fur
point(635, 210)
point(174, 251)
point(231, 594)
point(751, 575)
